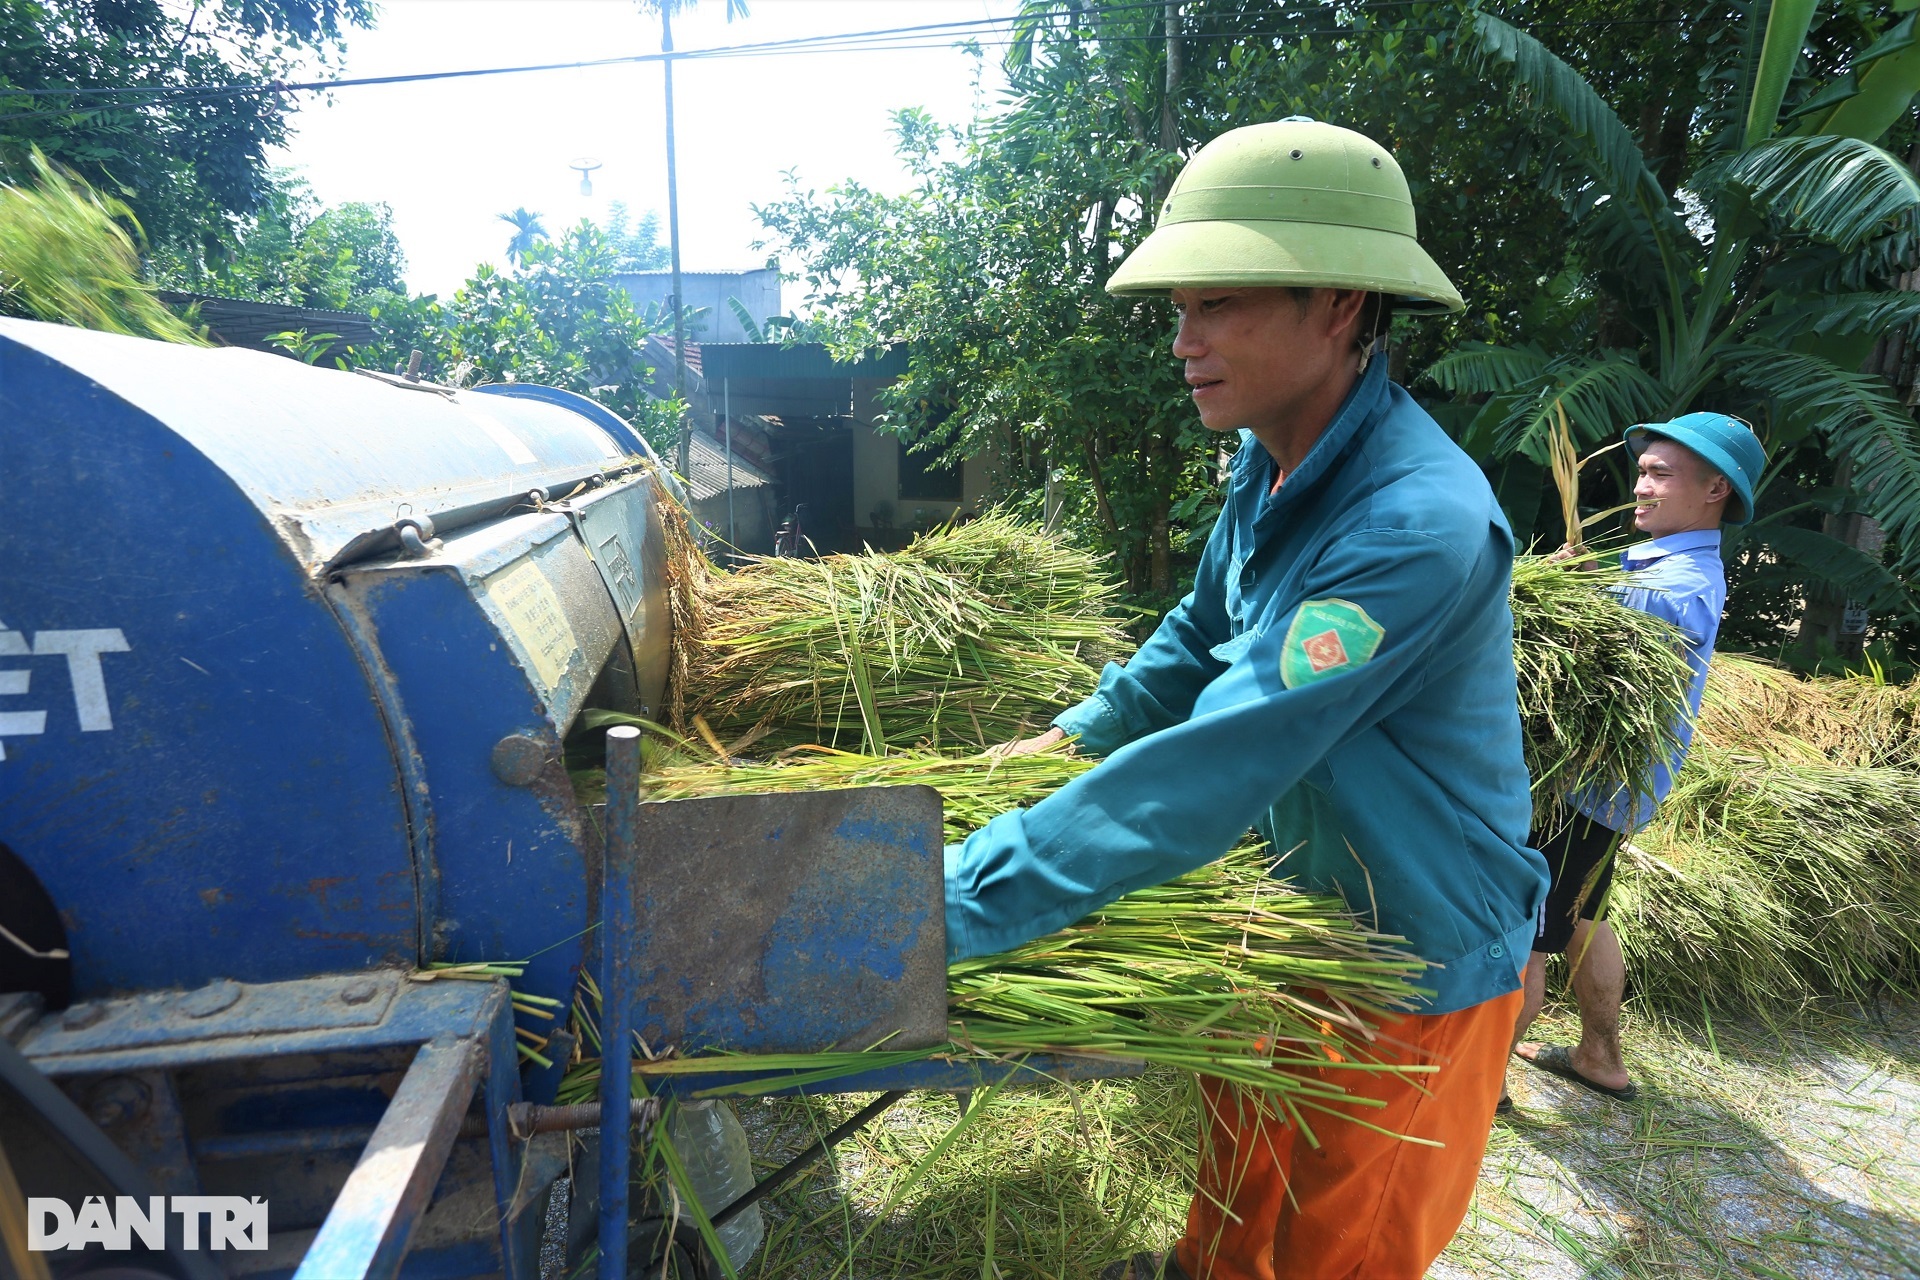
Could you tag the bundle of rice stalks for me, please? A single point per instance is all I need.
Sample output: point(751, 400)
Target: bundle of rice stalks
point(1754, 706)
point(1885, 718)
point(1223, 971)
point(1227, 948)
point(1601, 685)
point(1763, 880)
point(1023, 567)
point(1700, 925)
point(981, 634)
point(973, 788)
point(970, 637)
point(66, 256)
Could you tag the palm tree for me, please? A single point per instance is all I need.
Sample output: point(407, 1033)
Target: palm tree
point(526, 230)
point(1750, 290)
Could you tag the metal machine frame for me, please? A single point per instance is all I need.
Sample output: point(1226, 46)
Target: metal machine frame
point(290, 664)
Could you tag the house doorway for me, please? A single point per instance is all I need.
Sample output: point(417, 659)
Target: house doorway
point(813, 468)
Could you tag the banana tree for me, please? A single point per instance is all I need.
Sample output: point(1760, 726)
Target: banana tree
point(1744, 290)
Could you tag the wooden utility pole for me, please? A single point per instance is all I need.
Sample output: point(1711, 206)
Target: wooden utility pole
point(683, 456)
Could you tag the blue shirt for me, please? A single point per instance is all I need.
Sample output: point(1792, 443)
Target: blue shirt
point(1679, 578)
point(1341, 677)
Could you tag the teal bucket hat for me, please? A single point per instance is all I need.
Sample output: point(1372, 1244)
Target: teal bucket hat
point(1728, 445)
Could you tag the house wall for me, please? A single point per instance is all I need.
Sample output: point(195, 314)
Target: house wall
point(876, 477)
point(753, 519)
point(758, 291)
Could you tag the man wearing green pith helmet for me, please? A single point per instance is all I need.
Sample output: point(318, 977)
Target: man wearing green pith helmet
point(1340, 678)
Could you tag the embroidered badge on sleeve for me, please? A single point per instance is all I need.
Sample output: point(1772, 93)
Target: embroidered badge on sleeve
point(1326, 638)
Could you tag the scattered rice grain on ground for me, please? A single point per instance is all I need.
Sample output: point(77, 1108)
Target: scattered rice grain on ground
point(1752, 1152)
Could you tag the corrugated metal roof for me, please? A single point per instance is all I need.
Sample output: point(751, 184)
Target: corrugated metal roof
point(801, 360)
point(666, 273)
point(707, 460)
point(243, 322)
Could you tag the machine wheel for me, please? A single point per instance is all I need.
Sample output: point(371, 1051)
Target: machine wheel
point(681, 1250)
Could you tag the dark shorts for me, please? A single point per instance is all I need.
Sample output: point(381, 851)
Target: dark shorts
point(1579, 857)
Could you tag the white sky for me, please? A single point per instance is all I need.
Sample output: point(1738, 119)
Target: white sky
point(449, 156)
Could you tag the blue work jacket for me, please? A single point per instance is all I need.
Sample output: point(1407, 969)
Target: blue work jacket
point(1679, 578)
point(1341, 678)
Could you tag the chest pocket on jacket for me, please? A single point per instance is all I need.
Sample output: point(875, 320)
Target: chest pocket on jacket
point(1230, 652)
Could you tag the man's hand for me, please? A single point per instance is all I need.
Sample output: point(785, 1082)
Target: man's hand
point(1569, 551)
point(1027, 746)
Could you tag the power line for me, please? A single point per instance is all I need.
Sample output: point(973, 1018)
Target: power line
point(891, 40)
point(801, 43)
point(735, 50)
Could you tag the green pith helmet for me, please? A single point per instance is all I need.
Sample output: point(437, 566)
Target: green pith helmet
point(1296, 203)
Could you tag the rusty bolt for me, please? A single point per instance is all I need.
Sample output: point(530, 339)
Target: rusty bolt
point(217, 996)
point(519, 759)
point(359, 991)
point(118, 1100)
point(79, 1017)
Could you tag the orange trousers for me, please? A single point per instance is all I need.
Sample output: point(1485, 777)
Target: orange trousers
point(1363, 1205)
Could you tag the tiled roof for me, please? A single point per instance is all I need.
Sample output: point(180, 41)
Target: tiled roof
point(693, 355)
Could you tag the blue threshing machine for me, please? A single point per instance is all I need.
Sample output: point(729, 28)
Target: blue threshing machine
point(291, 661)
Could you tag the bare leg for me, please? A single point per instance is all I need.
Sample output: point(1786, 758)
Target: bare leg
point(1534, 989)
point(1535, 986)
point(1599, 985)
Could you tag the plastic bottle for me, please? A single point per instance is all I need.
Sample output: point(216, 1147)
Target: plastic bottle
point(713, 1146)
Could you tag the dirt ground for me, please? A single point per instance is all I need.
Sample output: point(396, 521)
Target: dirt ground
point(1750, 1152)
point(1753, 1151)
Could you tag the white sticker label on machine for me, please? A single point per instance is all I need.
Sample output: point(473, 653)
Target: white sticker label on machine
point(532, 611)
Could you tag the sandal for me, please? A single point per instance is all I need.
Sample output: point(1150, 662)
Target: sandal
point(1556, 1060)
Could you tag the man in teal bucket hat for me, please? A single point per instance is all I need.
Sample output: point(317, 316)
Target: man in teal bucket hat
point(1696, 474)
point(1340, 679)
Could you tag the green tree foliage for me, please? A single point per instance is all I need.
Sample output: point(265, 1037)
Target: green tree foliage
point(186, 166)
point(557, 317)
point(1752, 282)
point(991, 271)
point(636, 242)
point(992, 268)
point(68, 255)
point(292, 250)
point(1617, 241)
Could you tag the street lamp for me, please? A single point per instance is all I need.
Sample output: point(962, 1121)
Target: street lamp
point(585, 165)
